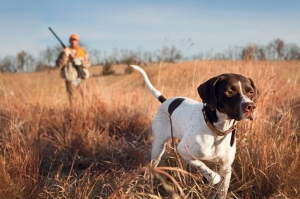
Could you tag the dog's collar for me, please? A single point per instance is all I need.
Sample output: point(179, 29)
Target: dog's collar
point(232, 129)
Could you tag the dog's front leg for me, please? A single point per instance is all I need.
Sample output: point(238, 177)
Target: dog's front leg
point(225, 172)
point(187, 156)
point(210, 175)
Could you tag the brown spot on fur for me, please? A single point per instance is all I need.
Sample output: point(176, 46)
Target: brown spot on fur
point(161, 98)
point(173, 105)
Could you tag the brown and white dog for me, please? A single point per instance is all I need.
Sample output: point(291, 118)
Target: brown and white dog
point(206, 130)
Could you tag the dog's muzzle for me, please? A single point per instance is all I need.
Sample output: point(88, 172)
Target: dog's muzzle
point(249, 110)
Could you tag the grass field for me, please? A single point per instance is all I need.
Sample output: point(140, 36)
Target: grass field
point(101, 147)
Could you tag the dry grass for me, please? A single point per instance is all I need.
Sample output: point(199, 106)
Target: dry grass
point(101, 148)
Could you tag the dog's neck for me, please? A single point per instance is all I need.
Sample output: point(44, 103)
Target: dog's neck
point(218, 119)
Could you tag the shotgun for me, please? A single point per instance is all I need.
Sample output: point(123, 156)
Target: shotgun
point(80, 71)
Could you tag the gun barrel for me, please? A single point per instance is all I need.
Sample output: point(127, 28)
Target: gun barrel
point(62, 44)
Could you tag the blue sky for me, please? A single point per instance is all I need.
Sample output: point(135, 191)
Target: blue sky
point(147, 25)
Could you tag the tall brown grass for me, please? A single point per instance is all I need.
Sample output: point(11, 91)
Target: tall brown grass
point(101, 147)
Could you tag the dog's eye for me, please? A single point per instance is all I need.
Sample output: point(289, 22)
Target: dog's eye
point(251, 93)
point(229, 93)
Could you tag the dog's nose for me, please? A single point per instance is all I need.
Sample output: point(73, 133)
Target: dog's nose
point(249, 106)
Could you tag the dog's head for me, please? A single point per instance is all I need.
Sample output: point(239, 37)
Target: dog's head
point(232, 94)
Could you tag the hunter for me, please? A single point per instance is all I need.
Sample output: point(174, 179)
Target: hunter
point(74, 62)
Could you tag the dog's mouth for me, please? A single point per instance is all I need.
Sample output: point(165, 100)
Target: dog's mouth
point(239, 114)
point(249, 115)
point(250, 118)
point(242, 116)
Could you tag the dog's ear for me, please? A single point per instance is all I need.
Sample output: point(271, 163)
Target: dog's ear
point(256, 92)
point(207, 92)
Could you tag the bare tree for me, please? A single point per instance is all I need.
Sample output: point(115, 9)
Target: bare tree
point(248, 53)
point(115, 57)
point(276, 48)
point(21, 60)
point(147, 59)
point(9, 64)
point(49, 56)
point(174, 55)
point(25, 62)
point(96, 57)
point(162, 54)
point(261, 55)
point(292, 52)
point(279, 46)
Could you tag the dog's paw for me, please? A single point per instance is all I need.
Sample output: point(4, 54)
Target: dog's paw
point(216, 179)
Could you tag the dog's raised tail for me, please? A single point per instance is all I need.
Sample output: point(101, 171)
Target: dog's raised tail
point(157, 94)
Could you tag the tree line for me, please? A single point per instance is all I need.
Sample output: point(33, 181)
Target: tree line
point(277, 49)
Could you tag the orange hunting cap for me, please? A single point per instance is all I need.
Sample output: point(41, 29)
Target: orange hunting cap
point(74, 36)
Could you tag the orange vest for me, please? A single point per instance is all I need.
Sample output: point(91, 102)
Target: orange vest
point(78, 52)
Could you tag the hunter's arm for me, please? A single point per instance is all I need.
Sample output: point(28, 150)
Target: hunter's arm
point(86, 63)
point(61, 60)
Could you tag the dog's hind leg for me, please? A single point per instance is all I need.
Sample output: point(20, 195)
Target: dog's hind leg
point(161, 131)
point(156, 158)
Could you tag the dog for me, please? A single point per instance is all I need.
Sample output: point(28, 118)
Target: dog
point(206, 130)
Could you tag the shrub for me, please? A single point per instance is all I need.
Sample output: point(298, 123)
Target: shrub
point(107, 69)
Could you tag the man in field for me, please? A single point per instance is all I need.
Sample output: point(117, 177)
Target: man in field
point(71, 61)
